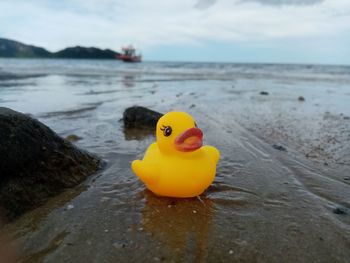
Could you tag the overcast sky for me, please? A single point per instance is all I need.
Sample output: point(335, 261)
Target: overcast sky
point(287, 31)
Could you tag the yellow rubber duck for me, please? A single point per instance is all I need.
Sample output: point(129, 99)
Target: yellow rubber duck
point(177, 165)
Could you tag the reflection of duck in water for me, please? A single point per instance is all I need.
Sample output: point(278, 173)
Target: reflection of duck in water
point(182, 227)
point(177, 165)
point(8, 248)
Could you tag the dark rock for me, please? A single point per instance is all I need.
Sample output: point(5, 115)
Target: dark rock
point(36, 163)
point(133, 133)
point(264, 93)
point(340, 211)
point(140, 117)
point(346, 118)
point(279, 147)
point(301, 98)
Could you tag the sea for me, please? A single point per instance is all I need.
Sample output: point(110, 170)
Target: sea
point(265, 205)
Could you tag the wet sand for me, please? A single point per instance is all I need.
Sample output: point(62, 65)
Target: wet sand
point(265, 205)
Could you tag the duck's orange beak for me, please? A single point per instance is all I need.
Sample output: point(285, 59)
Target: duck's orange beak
point(190, 140)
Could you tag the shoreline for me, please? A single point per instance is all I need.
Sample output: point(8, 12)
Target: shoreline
point(262, 204)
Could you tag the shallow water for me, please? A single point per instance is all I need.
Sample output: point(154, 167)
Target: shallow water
point(264, 206)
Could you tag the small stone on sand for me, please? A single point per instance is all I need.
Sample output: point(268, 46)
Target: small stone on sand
point(279, 147)
point(340, 211)
point(119, 245)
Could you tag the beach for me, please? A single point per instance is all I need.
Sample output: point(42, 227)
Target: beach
point(282, 190)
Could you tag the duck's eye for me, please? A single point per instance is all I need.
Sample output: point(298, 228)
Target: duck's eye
point(167, 130)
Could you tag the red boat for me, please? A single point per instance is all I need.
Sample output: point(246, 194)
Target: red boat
point(129, 55)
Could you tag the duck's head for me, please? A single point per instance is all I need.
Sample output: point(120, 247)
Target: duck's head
point(177, 132)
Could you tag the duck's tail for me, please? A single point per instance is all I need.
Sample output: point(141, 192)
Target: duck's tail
point(147, 172)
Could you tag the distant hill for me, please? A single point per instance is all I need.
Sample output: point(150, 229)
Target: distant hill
point(85, 52)
point(13, 49)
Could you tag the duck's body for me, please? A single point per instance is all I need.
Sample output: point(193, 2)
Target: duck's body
point(184, 171)
point(175, 176)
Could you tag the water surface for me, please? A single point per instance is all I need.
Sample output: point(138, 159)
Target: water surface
point(264, 206)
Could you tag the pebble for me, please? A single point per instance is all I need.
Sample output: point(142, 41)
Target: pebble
point(340, 211)
point(118, 245)
point(230, 252)
point(279, 147)
point(301, 98)
point(73, 138)
point(264, 93)
point(69, 207)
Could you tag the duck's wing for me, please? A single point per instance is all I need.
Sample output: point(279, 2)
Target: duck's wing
point(213, 152)
point(147, 172)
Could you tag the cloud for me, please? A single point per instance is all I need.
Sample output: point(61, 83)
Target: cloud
point(151, 23)
point(286, 2)
point(204, 4)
